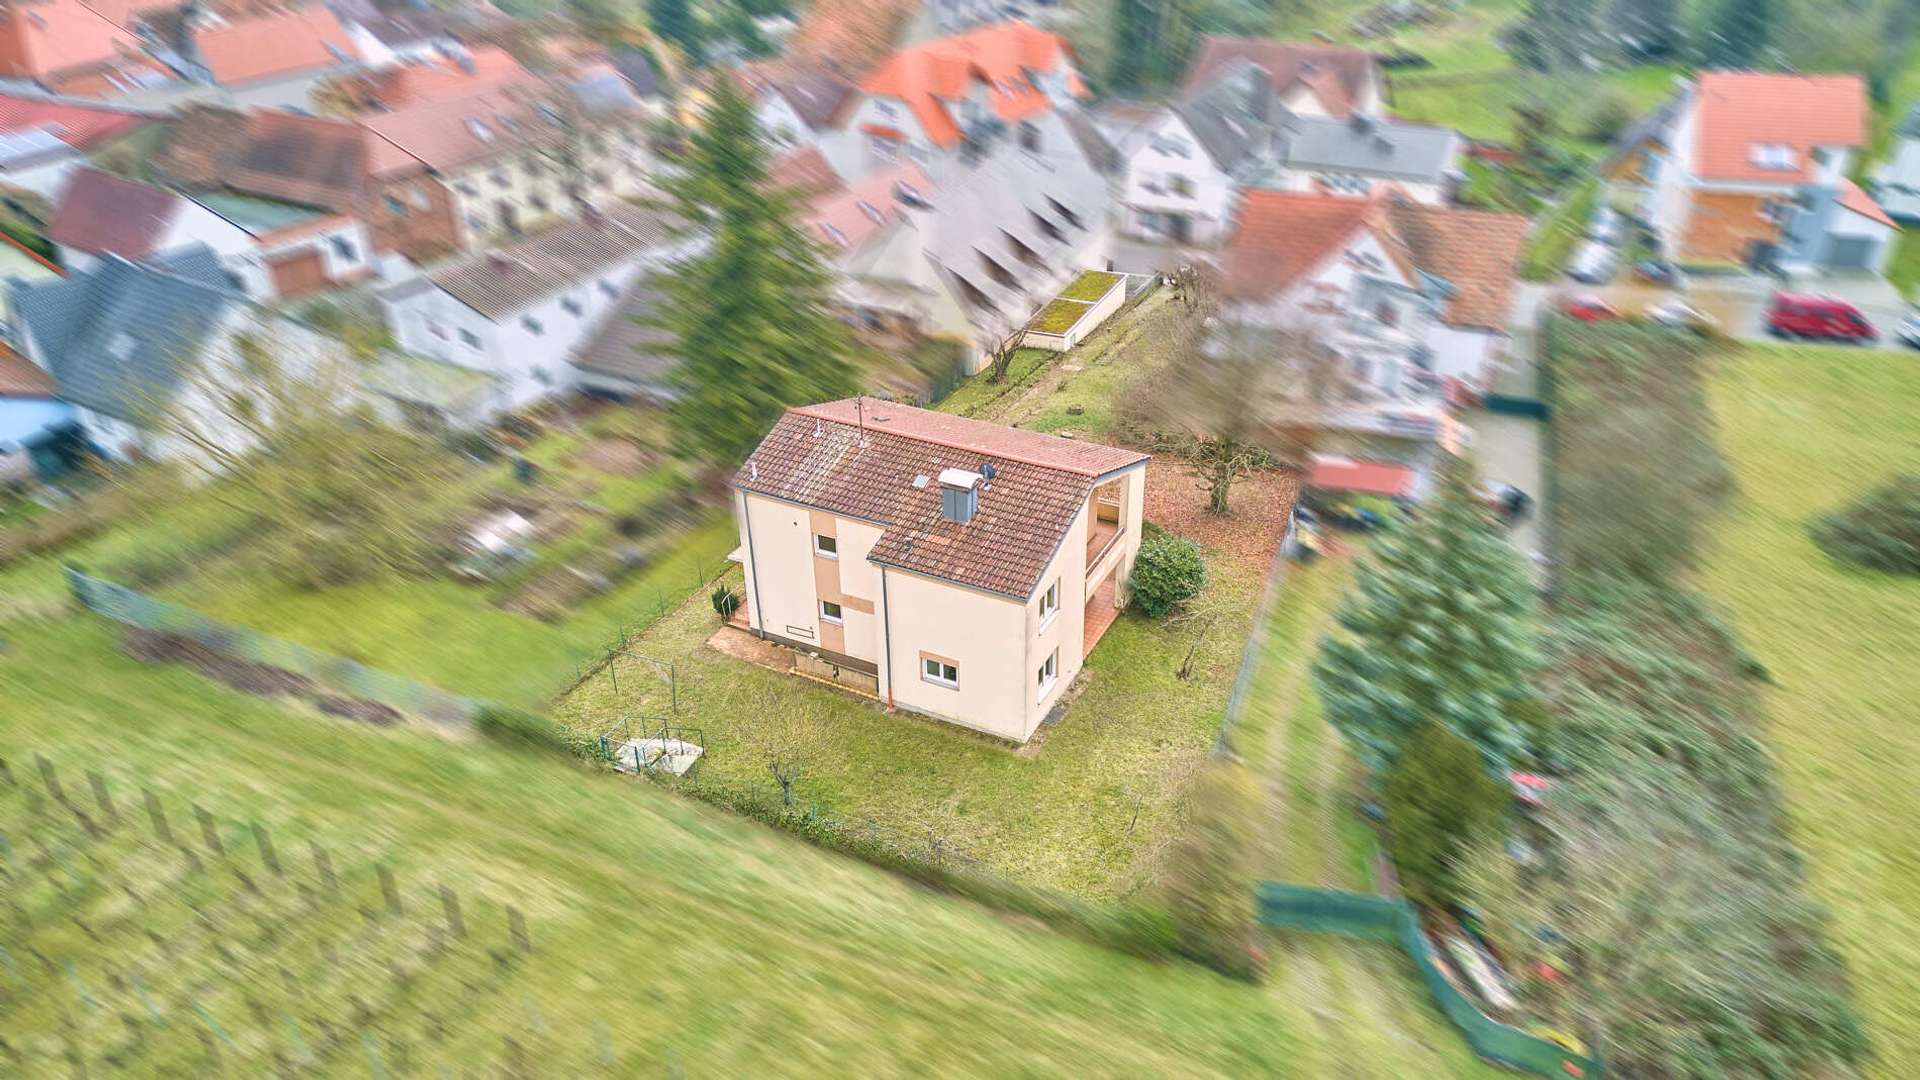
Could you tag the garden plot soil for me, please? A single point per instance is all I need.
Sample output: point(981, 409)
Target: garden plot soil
point(246, 676)
point(616, 456)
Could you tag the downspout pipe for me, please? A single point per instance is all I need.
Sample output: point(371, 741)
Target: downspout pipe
point(886, 634)
point(753, 566)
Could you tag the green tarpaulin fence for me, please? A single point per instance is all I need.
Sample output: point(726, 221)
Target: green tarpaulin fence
point(1331, 911)
point(336, 673)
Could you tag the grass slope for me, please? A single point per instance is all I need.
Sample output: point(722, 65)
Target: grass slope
point(1807, 429)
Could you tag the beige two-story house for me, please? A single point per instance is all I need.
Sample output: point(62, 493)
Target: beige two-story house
point(966, 568)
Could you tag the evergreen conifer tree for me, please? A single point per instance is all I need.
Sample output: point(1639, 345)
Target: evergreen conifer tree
point(748, 313)
point(1438, 629)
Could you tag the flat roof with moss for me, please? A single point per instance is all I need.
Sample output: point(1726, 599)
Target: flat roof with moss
point(1059, 316)
point(1090, 286)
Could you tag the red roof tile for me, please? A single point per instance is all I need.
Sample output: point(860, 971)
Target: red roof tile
point(39, 40)
point(817, 456)
point(1477, 252)
point(100, 212)
point(21, 377)
point(76, 125)
point(487, 68)
point(1283, 236)
point(270, 46)
point(1862, 203)
point(453, 133)
point(1337, 75)
point(850, 216)
point(1330, 473)
point(1739, 110)
point(806, 170)
point(929, 76)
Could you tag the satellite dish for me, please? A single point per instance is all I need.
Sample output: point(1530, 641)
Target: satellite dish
point(986, 471)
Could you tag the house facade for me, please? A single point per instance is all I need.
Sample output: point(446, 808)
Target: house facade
point(1896, 184)
point(521, 312)
point(964, 568)
point(1750, 169)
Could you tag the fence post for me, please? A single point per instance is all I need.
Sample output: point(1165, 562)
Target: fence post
point(102, 796)
point(450, 904)
point(265, 843)
point(389, 888)
point(208, 831)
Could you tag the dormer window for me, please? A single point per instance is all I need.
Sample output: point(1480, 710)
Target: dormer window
point(479, 130)
point(1777, 156)
point(872, 212)
point(834, 234)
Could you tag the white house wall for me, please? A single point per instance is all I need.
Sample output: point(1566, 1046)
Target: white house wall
point(1463, 354)
point(1209, 209)
point(968, 628)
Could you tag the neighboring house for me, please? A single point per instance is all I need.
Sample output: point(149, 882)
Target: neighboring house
point(959, 569)
point(641, 74)
point(37, 430)
point(274, 59)
point(450, 73)
point(946, 102)
point(66, 47)
point(1414, 300)
point(272, 249)
point(520, 312)
point(797, 107)
point(1306, 80)
point(806, 170)
point(122, 341)
point(628, 357)
point(969, 257)
point(387, 34)
point(1750, 168)
point(1187, 163)
point(43, 140)
point(1896, 184)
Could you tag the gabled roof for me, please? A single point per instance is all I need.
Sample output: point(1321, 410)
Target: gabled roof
point(805, 169)
point(79, 126)
point(634, 66)
point(42, 41)
point(1858, 201)
point(1415, 153)
point(931, 76)
point(312, 160)
point(1336, 75)
point(487, 67)
point(411, 24)
point(819, 456)
point(100, 213)
point(21, 377)
point(816, 93)
point(1476, 252)
point(513, 277)
point(1283, 236)
point(118, 338)
point(849, 217)
point(627, 346)
point(275, 45)
point(446, 135)
point(1738, 111)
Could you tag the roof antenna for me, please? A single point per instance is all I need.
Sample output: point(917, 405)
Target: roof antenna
point(860, 416)
point(753, 470)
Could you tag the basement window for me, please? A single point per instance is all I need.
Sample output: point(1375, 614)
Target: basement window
point(939, 672)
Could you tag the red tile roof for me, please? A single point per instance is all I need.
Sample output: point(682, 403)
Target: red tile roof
point(1337, 75)
point(804, 169)
point(1862, 203)
point(79, 126)
point(443, 77)
point(1283, 236)
point(41, 41)
point(1477, 252)
point(817, 456)
point(450, 134)
point(1739, 110)
point(930, 76)
point(850, 216)
point(1330, 473)
point(100, 212)
point(271, 46)
point(21, 377)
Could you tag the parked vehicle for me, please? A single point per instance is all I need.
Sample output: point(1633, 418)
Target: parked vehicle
point(1827, 318)
point(1606, 226)
point(1593, 264)
point(1590, 308)
point(1657, 272)
point(1909, 331)
point(1680, 314)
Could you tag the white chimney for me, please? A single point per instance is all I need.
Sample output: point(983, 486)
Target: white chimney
point(959, 494)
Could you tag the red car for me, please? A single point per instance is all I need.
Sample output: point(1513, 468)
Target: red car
point(1803, 315)
point(1590, 309)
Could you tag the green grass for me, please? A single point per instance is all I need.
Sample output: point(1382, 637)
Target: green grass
point(1554, 240)
point(1090, 286)
point(1903, 269)
point(702, 942)
point(1807, 429)
point(1059, 316)
point(979, 392)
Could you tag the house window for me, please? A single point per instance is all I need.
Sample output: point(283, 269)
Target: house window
point(470, 339)
point(419, 198)
point(539, 201)
point(1029, 138)
point(1180, 185)
point(532, 325)
point(939, 672)
point(1048, 672)
point(607, 287)
point(883, 148)
point(1388, 315)
point(1049, 603)
point(884, 108)
point(500, 178)
point(344, 248)
point(395, 206)
point(829, 611)
point(571, 306)
point(436, 330)
point(826, 546)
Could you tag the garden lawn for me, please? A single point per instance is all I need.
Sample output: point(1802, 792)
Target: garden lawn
point(682, 939)
point(1808, 429)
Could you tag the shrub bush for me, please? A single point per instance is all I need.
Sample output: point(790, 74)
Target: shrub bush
point(1209, 878)
point(523, 730)
point(725, 602)
point(1880, 531)
point(1439, 800)
point(1607, 116)
point(1168, 573)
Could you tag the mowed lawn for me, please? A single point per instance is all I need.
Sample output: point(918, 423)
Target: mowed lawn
point(1808, 429)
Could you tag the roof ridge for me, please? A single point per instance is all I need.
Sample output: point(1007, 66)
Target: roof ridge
point(812, 413)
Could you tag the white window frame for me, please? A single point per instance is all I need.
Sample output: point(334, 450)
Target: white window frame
point(832, 552)
point(934, 671)
point(830, 618)
point(1049, 604)
point(1048, 675)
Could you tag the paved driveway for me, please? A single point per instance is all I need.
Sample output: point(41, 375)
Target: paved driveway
point(1739, 301)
